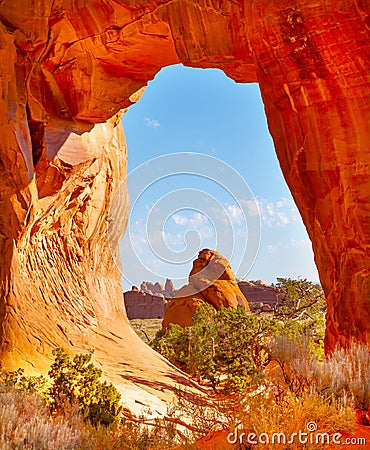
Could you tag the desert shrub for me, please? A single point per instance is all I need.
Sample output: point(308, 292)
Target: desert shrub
point(301, 308)
point(299, 298)
point(173, 344)
point(25, 424)
point(219, 343)
point(343, 374)
point(78, 382)
point(297, 363)
point(235, 344)
point(24, 382)
point(347, 372)
point(75, 385)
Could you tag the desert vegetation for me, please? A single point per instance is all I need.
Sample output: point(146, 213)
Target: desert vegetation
point(233, 345)
point(263, 371)
point(74, 410)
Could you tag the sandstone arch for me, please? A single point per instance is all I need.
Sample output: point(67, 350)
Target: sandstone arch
point(68, 67)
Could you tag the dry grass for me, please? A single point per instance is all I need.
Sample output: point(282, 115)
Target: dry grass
point(25, 424)
point(344, 374)
point(146, 329)
point(347, 372)
point(263, 414)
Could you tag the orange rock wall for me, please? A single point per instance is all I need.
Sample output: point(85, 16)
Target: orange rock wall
point(67, 67)
point(313, 71)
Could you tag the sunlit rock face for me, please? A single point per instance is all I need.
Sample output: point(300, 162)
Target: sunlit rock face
point(212, 281)
point(67, 69)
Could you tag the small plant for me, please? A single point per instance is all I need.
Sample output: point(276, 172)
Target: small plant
point(299, 298)
point(173, 344)
point(297, 363)
point(78, 382)
point(219, 343)
point(26, 383)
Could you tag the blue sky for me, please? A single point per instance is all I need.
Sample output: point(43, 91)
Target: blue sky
point(174, 214)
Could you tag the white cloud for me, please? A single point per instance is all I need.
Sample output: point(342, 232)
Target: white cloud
point(205, 232)
point(236, 214)
point(195, 220)
point(180, 219)
point(273, 248)
point(153, 123)
point(278, 214)
point(302, 244)
point(251, 207)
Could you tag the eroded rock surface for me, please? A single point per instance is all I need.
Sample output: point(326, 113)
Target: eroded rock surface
point(67, 69)
point(141, 305)
point(259, 291)
point(212, 281)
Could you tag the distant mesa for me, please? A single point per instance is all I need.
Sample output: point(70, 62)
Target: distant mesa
point(150, 301)
point(259, 291)
point(212, 281)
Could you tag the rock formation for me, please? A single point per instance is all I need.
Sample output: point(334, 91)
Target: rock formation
point(212, 281)
point(67, 70)
point(169, 288)
point(141, 305)
point(156, 288)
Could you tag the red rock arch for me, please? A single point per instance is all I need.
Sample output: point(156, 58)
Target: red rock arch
point(68, 68)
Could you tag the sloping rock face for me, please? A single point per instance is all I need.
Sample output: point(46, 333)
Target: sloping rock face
point(211, 280)
point(67, 69)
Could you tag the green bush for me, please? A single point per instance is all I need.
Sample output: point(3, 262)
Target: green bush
point(301, 306)
point(173, 344)
point(23, 382)
point(78, 382)
point(219, 343)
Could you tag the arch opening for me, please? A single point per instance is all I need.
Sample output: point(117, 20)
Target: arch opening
point(203, 111)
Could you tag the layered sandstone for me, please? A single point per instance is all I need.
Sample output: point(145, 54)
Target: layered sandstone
point(141, 305)
point(259, 292)
point(212, 281)
point(67, 69)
